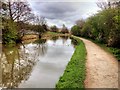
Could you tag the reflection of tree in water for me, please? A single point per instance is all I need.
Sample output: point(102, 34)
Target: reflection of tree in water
point(17, 64)
point(64, 38)
point(74, 42)
point(15, 68)
point(54, 38)
point(41, 47)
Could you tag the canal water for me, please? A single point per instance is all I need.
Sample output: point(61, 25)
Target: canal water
point(36, 63)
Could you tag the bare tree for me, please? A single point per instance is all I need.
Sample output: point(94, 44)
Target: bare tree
point(42, 21)
point(54, 28)
point(64, 29)
point(41, 25)
point(13, 13)
point(105, 4)
point(80, 23)
point(102, 4)
point(19, 11)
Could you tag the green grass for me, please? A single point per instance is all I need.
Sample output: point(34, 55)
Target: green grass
point(115, 52)
point(54, 34)
point(74, 74)
point(51, 33)
point(112, 50)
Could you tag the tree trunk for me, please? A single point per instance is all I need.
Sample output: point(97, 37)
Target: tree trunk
point(10, 11)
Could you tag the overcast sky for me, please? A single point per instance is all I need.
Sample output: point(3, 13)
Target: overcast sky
point(59, 12)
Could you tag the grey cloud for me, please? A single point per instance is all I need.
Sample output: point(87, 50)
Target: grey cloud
point(63, 12)
point(63, 0)
point(56, 10)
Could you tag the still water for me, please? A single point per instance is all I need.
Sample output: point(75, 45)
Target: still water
point(35, 64)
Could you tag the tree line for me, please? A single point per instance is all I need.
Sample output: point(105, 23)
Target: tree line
point(16, 17)
point(103, 27)
point(63, 30)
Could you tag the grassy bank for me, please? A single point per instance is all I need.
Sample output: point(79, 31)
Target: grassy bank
point(28, 37)
point(46, 35)
point(52, 34)
point(112, 50)
point(74, 74)
point(115, 52)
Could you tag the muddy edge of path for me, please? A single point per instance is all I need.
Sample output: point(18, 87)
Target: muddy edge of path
point(101, 67)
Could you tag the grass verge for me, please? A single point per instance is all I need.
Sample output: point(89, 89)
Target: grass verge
point(74, 74)
point(49, 34)
point(28, 37)
point(112, 50)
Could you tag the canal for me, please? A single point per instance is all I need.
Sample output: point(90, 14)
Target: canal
point(35, 63)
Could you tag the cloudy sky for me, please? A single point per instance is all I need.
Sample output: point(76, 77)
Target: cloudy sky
point(59, 12)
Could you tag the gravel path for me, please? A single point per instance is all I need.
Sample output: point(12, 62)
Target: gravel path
point(101, 67)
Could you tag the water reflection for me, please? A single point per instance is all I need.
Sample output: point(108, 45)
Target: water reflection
point(64, 38)
point(39, 58)
point(54, 38)
point(74, 42)
point(18, 61)
point(41, 47)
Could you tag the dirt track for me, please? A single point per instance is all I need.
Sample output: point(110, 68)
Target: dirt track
point(101, 67)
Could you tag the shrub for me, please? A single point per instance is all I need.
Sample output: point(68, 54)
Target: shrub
point(75, 30)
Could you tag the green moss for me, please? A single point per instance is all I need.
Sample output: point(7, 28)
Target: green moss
point(74, 74)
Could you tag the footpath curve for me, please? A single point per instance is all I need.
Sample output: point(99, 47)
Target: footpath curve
point(101, 67)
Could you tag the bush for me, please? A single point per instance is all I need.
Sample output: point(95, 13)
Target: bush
point(64, 30)
point(9, 32)
point(54, 29)
point(75, 30)
point(103, 27)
